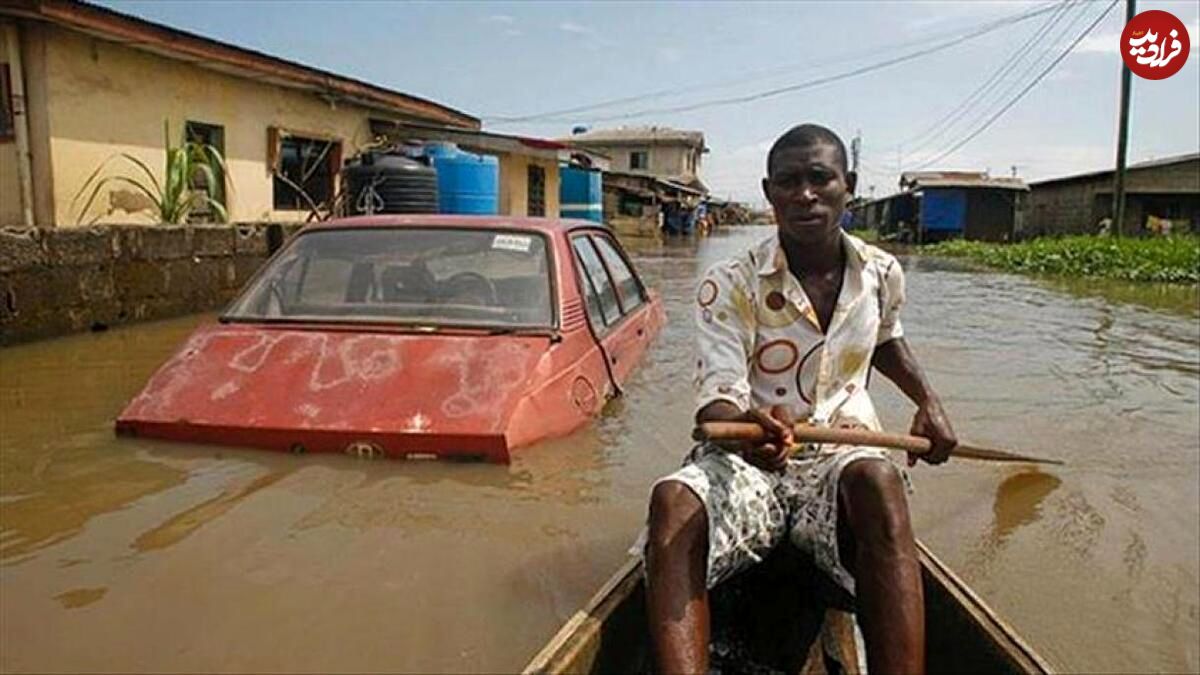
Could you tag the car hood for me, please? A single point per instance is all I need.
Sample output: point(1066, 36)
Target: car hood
point(339, 390)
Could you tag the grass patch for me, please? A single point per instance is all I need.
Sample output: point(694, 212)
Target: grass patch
point(1162, 259)
point(869, 236)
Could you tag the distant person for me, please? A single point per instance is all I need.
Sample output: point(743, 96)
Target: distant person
point(780, 338)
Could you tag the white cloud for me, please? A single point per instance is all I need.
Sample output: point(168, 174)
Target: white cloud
point(1104, 43)
point(593, 40)
point(950, 12)
point(670, 54)
point(1109, 43)
point(500, 18)
point(572, 27)
point(513, 32)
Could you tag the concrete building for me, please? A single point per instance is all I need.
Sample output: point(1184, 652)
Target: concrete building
point(81, 83)
point(661, 152)
point(1165, 189)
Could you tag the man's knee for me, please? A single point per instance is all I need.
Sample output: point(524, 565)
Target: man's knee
point(677, 517)
point(872, 492)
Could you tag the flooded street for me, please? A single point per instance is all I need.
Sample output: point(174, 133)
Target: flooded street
point(132, 555)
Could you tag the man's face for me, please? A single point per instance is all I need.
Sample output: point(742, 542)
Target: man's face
point(808, 189)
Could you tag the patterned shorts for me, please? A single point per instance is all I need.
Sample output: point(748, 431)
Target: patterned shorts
point(750, 511)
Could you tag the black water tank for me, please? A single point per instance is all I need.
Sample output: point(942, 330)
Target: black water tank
point(389, 183)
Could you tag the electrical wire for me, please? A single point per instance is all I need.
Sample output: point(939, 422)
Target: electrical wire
point(945, 122)
point(980, 30)
point(1028, 87)
point(1011, 85)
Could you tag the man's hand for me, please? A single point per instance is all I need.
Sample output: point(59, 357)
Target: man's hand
point(772, 454)
point(931, 422)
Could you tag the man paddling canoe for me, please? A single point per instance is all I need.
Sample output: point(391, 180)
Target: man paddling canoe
point(789, 330)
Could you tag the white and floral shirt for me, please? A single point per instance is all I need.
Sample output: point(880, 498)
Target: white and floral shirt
point(760, 344)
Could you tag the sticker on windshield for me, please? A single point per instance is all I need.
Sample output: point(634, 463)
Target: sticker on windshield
point(512, 242)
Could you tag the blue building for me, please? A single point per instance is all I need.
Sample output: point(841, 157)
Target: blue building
point(970, 205)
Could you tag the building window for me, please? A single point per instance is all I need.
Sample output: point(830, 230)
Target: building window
point(7, 128)
point(639, 159)
point(305, 171)
point(212, 135)
point(537, 191)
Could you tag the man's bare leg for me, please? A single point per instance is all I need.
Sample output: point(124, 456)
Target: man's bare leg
point(676, 566)
point(880, 551)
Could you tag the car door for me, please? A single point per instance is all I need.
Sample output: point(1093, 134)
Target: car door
point(641, 322)
point(619, 320)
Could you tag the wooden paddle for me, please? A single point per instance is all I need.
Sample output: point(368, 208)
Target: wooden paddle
point(806, 433)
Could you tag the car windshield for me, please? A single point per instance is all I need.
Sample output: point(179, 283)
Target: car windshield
point(430, 277)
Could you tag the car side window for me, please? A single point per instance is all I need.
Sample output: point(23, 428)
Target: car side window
point(627, 284)
point(586, 254)
point(591, 300)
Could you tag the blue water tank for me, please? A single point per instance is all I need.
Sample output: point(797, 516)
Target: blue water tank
point(467, 183)
point(581, 193)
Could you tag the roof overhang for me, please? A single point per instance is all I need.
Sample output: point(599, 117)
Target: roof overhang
point(970, 185)
point(475, 140)
point(225, 58)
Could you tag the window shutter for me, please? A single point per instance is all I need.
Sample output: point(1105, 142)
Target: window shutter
point(335, 170)
point(274, 139)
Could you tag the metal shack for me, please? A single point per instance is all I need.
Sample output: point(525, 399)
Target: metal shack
point(966, 204)
point(1165, 189)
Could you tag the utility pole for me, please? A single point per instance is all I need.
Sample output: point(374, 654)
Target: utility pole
point(1118, 205)
point(855, 149)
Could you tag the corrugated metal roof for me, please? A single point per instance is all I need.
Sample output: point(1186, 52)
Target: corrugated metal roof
point(634, 135)
point(1148, 164)
point(173, 43)
point(915, 180)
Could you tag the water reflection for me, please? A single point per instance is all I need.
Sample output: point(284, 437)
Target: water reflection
point(436, 567)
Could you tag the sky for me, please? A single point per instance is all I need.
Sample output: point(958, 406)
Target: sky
point(501, 60)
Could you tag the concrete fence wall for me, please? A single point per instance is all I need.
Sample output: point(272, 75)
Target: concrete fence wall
point(64, 280)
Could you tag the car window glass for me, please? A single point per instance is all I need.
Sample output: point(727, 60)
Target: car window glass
point(627, 284)
point(430, 276)
point(599, 276)
point(591, 300)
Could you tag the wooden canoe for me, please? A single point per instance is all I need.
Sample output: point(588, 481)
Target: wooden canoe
point(797, 627)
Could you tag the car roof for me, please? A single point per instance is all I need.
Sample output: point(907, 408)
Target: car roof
point(549, 226)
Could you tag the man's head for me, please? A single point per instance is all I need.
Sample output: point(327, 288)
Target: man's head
point(808, 182)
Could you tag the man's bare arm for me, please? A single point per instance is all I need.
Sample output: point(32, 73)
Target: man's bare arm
point(897, 362)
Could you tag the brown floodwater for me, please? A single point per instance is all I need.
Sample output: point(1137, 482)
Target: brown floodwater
point(131, 555)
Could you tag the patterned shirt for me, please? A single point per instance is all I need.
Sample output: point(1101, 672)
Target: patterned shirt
point(760, 344)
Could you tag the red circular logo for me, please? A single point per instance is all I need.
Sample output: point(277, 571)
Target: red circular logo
point(1155, 45)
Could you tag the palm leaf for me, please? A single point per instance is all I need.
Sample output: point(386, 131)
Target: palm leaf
point(102, 183)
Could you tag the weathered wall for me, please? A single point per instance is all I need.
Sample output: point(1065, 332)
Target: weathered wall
point(10, 186)
point(63, 280)
point(665, 160)
point(1077, 206)
point(137, 91)
point(514, 185)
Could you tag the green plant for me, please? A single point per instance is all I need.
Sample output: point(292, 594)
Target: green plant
point(174, 198)
point(1174, 259)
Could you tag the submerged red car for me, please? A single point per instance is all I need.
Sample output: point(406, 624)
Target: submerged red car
point(411, 336)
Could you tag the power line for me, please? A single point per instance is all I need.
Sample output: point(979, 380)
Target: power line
point(1016, 82)
point(980, 30)
point(944, 123)
point(1024, 91)
point(1007, 86)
